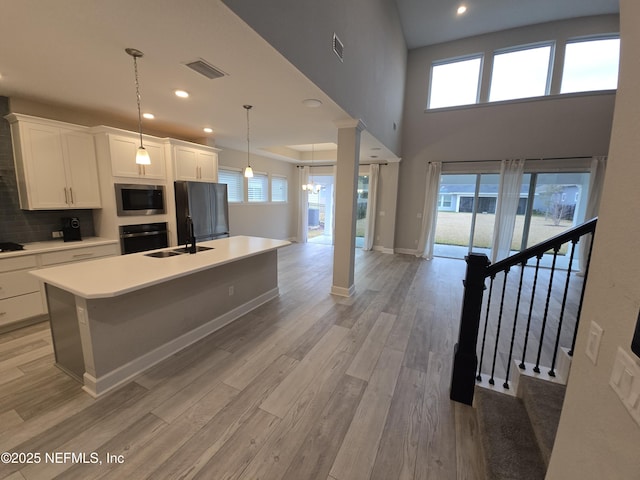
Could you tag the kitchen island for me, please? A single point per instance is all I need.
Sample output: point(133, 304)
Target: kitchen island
point(115, 317)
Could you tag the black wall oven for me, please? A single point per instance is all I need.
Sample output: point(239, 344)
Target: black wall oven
point(147, 236)
point(137, 199)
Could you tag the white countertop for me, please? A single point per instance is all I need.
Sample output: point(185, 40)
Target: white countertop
point(56, 245)
point(113, 276)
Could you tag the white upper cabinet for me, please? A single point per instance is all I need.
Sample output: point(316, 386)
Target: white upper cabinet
point(123, 148)
point(55, 164)
point(194, 163)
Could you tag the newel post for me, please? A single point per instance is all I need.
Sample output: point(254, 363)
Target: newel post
point(465, 359)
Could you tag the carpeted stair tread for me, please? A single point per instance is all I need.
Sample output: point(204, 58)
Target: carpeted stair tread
point(543, 401)
point(510, 448)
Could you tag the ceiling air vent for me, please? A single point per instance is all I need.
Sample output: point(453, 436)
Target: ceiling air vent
point(206, 69)
point(338, 47)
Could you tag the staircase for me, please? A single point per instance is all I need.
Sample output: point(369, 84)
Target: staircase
point(517, 433)
point(517, 308)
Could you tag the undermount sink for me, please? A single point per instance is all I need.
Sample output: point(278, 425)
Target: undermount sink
point(199, 248)
point(161, 254)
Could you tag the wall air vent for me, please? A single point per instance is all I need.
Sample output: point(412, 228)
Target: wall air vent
point(338, 47)
point(206, 69)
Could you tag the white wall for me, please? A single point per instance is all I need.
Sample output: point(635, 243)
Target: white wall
point(597, 438)
point(556, 126)
point(273, 220)
point(369, 84)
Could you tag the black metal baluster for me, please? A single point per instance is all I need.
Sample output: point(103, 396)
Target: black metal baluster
point(556, 249)
point(515, 323)
point(495, 349)
point(533, 295)
point(552, 372)
point(484, 333)
point(584, 284)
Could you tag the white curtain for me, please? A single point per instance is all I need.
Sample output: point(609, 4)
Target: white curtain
point(429, 211)
point(374, 173)
point(333, 205)
point(508, 199)
point(596, 181)
point(303, 207)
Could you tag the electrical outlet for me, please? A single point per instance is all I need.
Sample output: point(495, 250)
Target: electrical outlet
point(231, 291)
point(56, 234)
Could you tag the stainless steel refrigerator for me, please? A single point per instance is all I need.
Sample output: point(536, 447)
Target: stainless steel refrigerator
point(206, 204)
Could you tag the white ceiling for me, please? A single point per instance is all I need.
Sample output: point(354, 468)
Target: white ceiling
point(71, 53)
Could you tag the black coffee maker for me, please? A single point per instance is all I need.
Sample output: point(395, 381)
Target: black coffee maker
point(71, 229)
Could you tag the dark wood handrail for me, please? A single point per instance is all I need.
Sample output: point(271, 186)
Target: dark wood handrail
point(539, 249)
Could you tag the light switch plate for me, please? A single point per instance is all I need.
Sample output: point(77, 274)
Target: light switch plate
point(625, 381)
point(593, 342)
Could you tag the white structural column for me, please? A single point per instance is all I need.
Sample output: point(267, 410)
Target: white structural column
point(345, 207)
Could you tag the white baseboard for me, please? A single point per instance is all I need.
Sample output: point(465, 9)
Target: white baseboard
point(379, 248)
point(97, 387)
point(406, 251)
point(343, 292)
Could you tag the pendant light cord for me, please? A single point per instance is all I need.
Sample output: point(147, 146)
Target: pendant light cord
point(135, 69)
point(248, 107)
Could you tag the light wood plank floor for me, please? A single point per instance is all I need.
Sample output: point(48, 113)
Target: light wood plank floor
point(307, 386)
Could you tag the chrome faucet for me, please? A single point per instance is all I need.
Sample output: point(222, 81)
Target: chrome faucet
point(191, 239)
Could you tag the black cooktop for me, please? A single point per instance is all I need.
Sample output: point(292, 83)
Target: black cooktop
point(10, 247)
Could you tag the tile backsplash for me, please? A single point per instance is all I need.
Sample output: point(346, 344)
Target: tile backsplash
point(25, 226)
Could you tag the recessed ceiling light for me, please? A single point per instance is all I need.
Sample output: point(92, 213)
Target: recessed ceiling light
point(461, 9)
point(181, 94)
point(149, 116)
point(311, 102)
point(208, 130)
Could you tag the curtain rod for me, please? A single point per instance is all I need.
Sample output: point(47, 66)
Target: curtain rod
point(333, 164)
point(526, 159)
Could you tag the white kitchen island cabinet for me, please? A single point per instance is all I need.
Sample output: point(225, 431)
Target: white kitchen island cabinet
point(111, 319)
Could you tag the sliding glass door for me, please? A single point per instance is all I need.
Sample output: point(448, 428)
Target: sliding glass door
point(361, 209)
point(466, 214)
point(549, 204)
point(320, 216)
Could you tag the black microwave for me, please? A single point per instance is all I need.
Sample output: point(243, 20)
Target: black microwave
point(137, 199)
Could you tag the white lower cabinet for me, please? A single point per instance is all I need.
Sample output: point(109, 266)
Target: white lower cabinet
point(20, 292)
point(21, 307)
point(22, 295)
point(79, 254)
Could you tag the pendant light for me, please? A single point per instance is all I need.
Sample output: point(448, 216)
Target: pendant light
point(248, 172)
point(312, 187)
point(142, 156)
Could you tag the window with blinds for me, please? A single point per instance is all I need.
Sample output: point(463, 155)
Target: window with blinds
point(234, 181)
point(279, 188)
point(258, 188)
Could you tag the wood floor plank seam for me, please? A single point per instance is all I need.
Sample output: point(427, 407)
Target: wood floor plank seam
point(331, 425)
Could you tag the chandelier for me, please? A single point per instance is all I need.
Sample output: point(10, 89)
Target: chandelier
point(312, 187)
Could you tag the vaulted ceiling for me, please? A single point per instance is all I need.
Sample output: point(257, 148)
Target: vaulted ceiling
point(71, 53)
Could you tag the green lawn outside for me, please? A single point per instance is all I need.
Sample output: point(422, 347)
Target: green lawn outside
point(453, 229)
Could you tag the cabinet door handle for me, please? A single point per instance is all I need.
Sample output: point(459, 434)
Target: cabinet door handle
point(66, 197)
point(71, 194)
point(80, 255)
